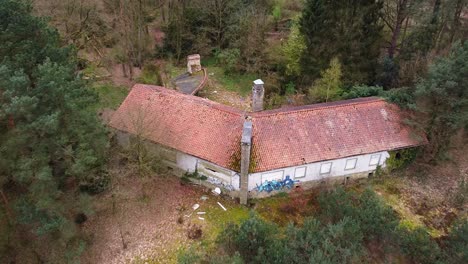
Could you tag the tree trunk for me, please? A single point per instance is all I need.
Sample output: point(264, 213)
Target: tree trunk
point(7, 207)
point(401, 15)
point(456, 19)
point(124, 70)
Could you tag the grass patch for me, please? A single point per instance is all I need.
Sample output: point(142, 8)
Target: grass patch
point(239, 83)
point(110, 96)
point(218, 218)
point(150, 75)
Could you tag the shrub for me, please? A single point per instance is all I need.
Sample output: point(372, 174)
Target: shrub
point(363, 91)
point(461, 195)
point(250, 238)
point(229, 58)
point(457, 243)
point(151, 74)
point(417, 245)
point(189, 256)
point(95, 183)
point(376, 219)
point(401, 158)
point(194, 232)
point(335, 205)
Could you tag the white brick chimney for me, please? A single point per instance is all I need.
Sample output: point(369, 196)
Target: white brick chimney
point(258, 92)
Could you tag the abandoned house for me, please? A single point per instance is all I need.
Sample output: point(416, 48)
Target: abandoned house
point(240, 150)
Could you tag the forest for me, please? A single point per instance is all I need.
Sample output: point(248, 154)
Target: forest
point(65, 64)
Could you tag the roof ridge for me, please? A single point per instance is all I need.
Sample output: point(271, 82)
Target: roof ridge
point(314, 107)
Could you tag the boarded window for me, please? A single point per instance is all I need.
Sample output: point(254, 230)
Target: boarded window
point(277, 175)
point(350, 164)
point(168, 154)
point(300, 172)
point(325, 168)
point(374, 160)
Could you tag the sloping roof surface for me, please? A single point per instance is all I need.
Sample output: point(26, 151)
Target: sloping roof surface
point(301, 135)
point(193, 125)
point(281, 138)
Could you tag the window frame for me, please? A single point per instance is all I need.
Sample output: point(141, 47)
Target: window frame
point(329, 170)
point(354, 166)
point(295, 172)
point(378, 159)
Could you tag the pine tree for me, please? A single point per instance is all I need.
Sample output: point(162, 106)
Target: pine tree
point(49, 137)
point(349, 30)
point(443, 96)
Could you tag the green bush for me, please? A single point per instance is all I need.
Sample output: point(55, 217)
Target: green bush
point(401, 158)
point(335, 205)
point(229, 58)
point(363, 91)
point(457, 243)
point(251, 237)
point(151, 74)
point(376, 219)
point(418, 245)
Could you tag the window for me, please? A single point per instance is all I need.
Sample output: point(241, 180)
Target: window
point(325, 168)
point(374, 160)
point(300, 172)
point(350, 164)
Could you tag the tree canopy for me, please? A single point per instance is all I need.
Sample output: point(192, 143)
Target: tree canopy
point(50, 139)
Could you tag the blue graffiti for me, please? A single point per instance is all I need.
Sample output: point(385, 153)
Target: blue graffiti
point(275, 185)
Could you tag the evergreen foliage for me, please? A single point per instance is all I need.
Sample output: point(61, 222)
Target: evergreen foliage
point(443, 96)
point(457, 243)
point(349, 30)
point(292, 51)
point(49, 139)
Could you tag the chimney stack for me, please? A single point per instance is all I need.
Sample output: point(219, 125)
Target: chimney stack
point(246, 144)
point(258, 92)
point(193, 63)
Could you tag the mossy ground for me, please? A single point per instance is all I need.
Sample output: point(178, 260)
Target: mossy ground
point(110, 96)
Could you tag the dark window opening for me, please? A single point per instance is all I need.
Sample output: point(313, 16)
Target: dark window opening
point(398, 156)
point(370, 174)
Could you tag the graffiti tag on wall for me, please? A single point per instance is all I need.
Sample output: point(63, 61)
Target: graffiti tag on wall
point(275, 185)
point(220, 183)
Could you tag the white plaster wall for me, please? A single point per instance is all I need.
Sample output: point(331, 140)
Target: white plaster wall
point(186, 162)
point(189, 163)
point(313, 169)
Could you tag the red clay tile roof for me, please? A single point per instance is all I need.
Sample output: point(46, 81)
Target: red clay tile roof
point(301, 135)
point(190, 124)
point(281, 137)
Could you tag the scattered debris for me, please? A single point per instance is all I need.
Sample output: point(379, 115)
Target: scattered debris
point(224, 208)
point(201, 218)
point(188, 215)
point(217, 191)
point(215, 92)
point(195, 206)
point(200, 213)
point(180, 220)
point(204, 198)
point(194, 232)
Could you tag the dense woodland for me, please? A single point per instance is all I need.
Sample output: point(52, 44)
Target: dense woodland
point(55, 152)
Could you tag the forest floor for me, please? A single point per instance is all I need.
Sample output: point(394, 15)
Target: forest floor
point(129, 227)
